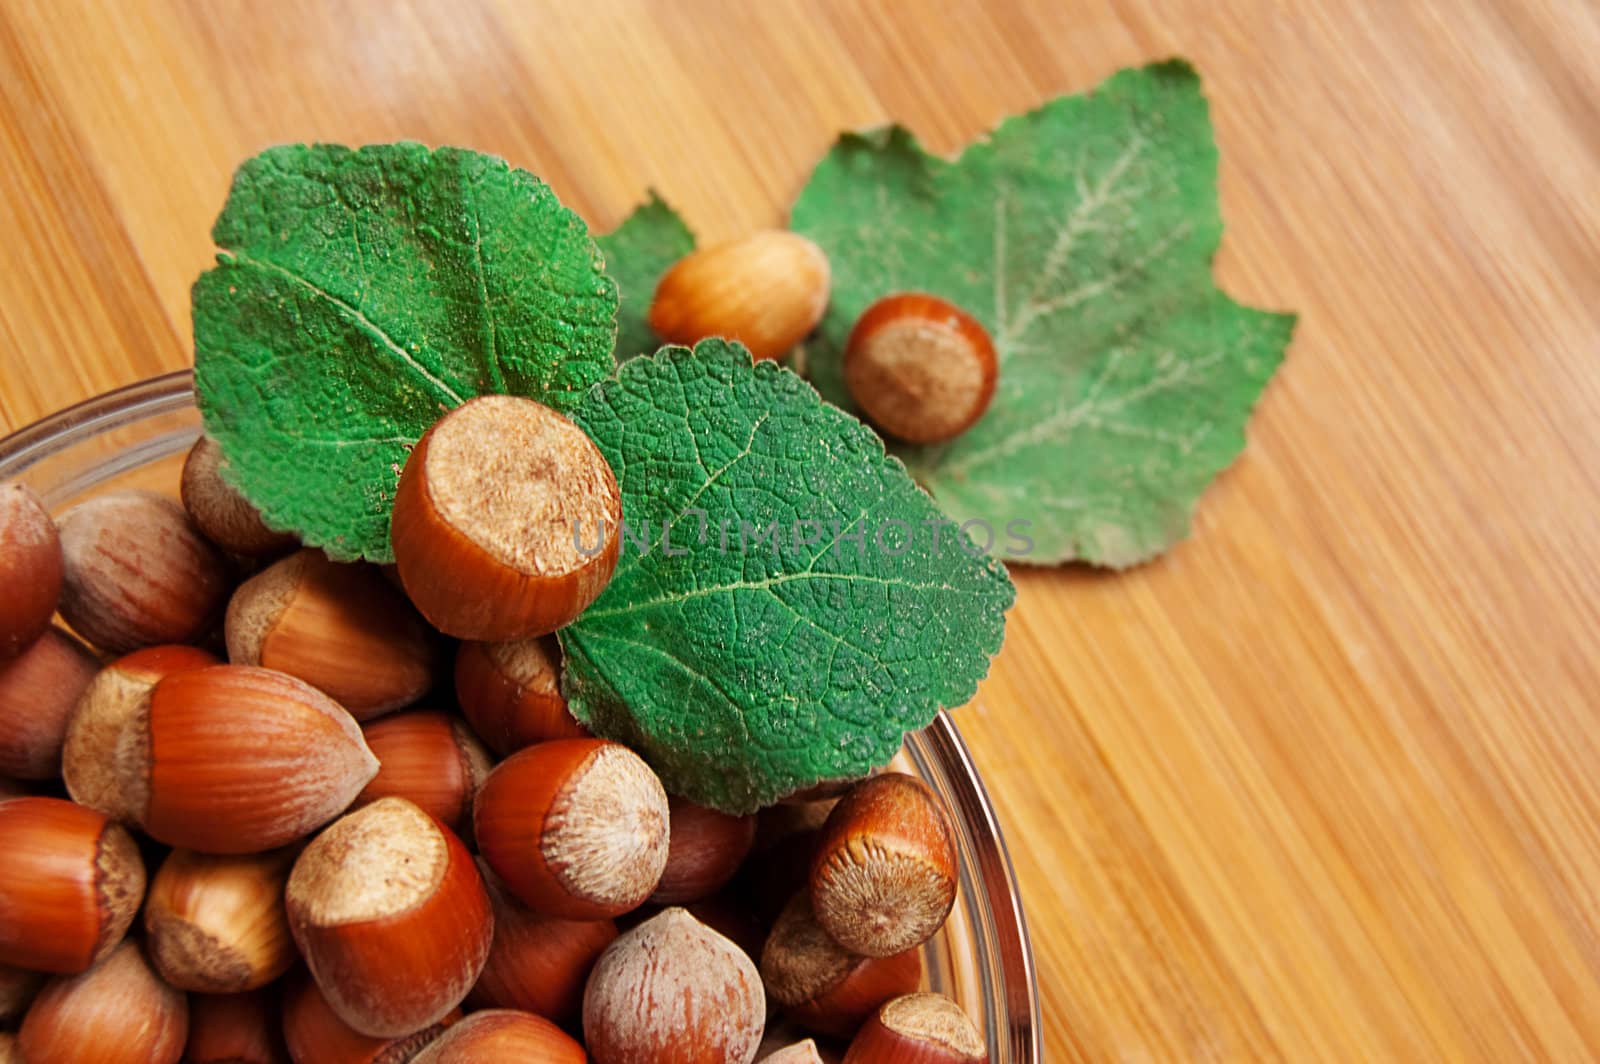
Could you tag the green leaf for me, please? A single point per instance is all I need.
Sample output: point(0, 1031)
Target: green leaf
point(637, 253)
point(361, 294)
point(744, 668)
point(1081, 235)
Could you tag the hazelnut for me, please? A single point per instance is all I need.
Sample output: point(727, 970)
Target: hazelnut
point(392, 918)
point(805, 1052)
point(921, 368)
point(235, 759)
point(766, 290)
point(30, 568)
point(218, 509)
point(502, 1035)
point(822, 986)
point(497, 509)
point(216, 925)
point(429, 758)
point(341, 628)
point(136, 573)
point(315, 1034)
point(672, 991)
point(705, 849)
point(884, 877)
point(235, 1029)
point(70, 884)
point(38, 689)
point(9, 1053)
point(537, 963)
point(576, 828)
point(112, 699)
point(117, 1012)
point(918, 1029)
point(511, 693)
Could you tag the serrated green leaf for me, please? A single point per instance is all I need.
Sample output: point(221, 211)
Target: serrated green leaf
point(637, 253)
point(1082, 236)
point(748, 666)
point(360, 294)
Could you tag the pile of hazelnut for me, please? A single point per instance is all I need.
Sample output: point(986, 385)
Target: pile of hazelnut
point(229, 835)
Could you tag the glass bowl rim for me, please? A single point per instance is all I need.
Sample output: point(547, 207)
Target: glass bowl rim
point(938, 751)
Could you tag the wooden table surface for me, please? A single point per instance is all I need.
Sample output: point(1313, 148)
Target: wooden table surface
point(1321, 784)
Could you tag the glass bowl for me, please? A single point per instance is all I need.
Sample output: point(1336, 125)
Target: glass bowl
point(136, 437)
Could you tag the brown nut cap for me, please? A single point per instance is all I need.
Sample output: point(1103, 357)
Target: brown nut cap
point(501, 1035)
point(537, 963)
point(706, 848)
point(391, 916)
point(137, 573)
point(116, 696)
point(823, 987)
point(884, 877)
point(17, 988)
point(672, 991)
point(235, 759)
point(118, 1012)
point(766, 290)
point(70, 884)
point(918, 1029)
point(30, 568)
point(343, 629)
point(576, 828)
point(220, 512)
point(511, 693)
point(316, 1035)
point(38, 689)
point(921, 368)
point(216, 925)
point(506, 522)
point(235, 1029)
point(429, 758)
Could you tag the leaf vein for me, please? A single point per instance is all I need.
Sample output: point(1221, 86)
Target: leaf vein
point(444, 392)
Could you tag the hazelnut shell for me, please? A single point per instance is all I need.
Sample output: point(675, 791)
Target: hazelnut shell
point(30, 568)
point(538, 963)
point(38, 690)
point(392, 918)
point(343, 629)
point(70, 884)
point(884, 876)
point(236, 759)
point(118, 1012)
point(918, 1029)
point(575, 828)
point(767, 290)
point(493, 518)
point(672, 991)
point(136, 573)
point(500, 1035)
point(511, 693)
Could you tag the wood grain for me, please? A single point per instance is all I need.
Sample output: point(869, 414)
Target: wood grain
point(1318, 785)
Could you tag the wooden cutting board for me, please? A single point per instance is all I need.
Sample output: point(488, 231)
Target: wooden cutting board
point(1322, 783)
